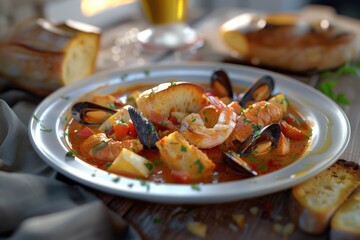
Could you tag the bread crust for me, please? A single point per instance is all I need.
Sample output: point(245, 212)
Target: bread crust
point(40, 56)
point(314, 201)
point(290, 43)
point(345, 224)
point(171, 97)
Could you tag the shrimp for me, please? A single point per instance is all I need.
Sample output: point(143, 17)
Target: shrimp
point(100, 147)
point(254, 117)
point(194, 130)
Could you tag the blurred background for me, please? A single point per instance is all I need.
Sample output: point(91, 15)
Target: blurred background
point(104, 13)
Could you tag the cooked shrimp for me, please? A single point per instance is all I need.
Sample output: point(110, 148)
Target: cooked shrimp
point(254, 117)
point(194, 130)
point(100, 147)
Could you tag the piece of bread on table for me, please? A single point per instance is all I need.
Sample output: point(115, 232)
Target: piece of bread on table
point(41, 56)
point(314, 201)
point(289, 42)
point(345, 224)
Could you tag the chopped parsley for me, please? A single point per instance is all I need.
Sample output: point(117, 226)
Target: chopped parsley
point(70, 154)
point(262, 167)
point(200, 166)
point(44, 128)
point(115, 180)
point(106, 165)
point(149, 166)
point(183, 148)
point(147, 72)
point(36, 118)
point(246, 120)
point(195, 187)
point(145, 183)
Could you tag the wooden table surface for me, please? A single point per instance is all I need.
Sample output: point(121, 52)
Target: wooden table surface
point(265, 217)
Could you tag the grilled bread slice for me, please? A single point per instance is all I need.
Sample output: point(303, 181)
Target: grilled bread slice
point(345, 223)
point(314, 201)
point(171, 97)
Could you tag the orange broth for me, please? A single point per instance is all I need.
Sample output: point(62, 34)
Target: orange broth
point(265, 163)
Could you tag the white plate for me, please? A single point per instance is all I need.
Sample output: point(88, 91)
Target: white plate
point(331, 133)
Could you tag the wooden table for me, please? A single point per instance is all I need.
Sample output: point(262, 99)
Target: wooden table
point(265, 217)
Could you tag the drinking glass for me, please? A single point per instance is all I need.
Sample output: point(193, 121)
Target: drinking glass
point(168, 28)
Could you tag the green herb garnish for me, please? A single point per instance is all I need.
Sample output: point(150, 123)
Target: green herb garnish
point(200, 166)
point(195, 187)
point(327, 87)
point(183, 148)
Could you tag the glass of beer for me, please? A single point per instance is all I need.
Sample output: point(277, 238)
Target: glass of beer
point(168, 28)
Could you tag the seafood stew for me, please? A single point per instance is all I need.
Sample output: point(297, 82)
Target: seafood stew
point(181, 132)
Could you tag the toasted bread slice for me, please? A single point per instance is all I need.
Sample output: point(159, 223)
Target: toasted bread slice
point(345, 224)
point(171, 97)
point(314, 202)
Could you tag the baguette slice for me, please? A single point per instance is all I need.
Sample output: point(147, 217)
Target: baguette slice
point(314, 201)
point(345, 223)
point(40, 56)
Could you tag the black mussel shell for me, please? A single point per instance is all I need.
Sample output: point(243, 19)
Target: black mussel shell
point(239, 165)
point(146, 130)
point(80, 109)
point(260, 90)
point(221, 85)
point(268, 133)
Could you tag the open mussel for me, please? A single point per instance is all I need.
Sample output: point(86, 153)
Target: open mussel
point(239, 165)
point(221, 85)
point(146, 130)
point(261, 140)
point(80, 110)
point(259, 143)
point(260, 90)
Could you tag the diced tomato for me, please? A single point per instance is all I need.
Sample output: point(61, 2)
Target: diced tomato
point(290, 120)
point(291, 131)
point(173, 119)
point(85, 133)
point(181, 176)
point(118, 103)
point(120, 130)
point(132, 130)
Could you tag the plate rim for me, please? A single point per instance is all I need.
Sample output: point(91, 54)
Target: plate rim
point(145, 192)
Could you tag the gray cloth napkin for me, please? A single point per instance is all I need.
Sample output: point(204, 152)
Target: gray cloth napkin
point(34, 205)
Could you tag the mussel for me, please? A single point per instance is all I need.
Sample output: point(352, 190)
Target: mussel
point(260, 90)
point(221, 85)
point(267, 136)
point(239, 165)
point(146, 130)
point(79, 112)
